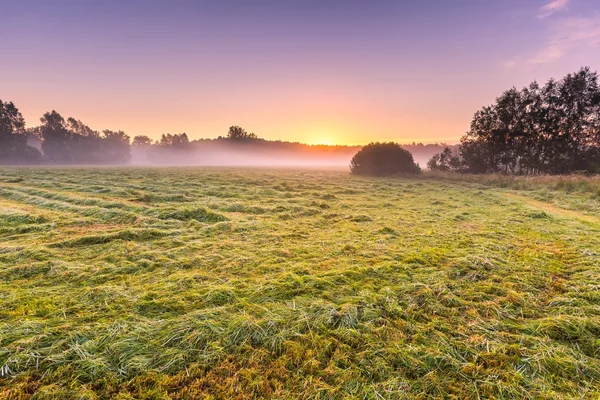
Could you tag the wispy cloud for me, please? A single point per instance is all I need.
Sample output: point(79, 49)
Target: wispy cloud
point(567, 34)
point(552, 7)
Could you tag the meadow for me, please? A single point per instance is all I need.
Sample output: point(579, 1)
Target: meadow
point(217, 283)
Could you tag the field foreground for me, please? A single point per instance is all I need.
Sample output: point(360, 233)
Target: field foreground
point(225, 283)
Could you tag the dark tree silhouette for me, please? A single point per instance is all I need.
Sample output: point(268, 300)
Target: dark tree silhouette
point(13, 137)
point(177, 141)
point(115, 147)
point(239, 133)
point(554, 129)
point(73, 142)
point(11, 119)
point(141, 140)
point(444, 161)
point(170, 148)
point(381, 159)
point(56, 138)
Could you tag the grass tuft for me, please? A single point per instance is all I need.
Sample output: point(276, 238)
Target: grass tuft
point(187, 214)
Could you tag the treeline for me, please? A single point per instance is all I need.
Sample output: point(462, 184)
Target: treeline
point(239, 136)
point(69, 141)
point(238, 145)
point(73, 142)
point(14, 146)
point(58, 141)
point(550, 129)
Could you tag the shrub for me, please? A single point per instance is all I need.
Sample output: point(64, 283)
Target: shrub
point(381, 159)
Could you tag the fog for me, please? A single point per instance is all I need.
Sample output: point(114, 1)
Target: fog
point(265, 154)
point(93, 150)
point(238, 157)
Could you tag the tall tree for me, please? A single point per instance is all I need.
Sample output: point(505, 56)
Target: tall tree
point(73, 142)
point(13, 136)
point(115, 146)
point(56, 138)
point(238, 133)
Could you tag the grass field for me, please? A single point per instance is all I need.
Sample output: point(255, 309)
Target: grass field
point(225, 283)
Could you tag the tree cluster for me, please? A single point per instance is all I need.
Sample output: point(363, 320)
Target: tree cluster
point(168, 145)
point(177, 147)
point(237, 133)
point(182, 142)
point(550, 129)
point(61, 141)
point(14, 148)
point(72, 142)
point(382, 159)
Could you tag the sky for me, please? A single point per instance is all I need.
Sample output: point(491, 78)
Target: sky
point(332, 72)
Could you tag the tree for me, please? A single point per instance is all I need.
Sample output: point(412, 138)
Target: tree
point(444, 161)
point(86, 144)
point(72, 142)
point(141, 140)
point(169, 149)
point(177, 141)
point(381, 159)
point(13, 137)
point(115, 147)
point(79, 128)
point(11, 119)
point(239, 133)
point(56, 138)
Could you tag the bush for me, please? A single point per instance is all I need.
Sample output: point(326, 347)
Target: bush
point(381, 159)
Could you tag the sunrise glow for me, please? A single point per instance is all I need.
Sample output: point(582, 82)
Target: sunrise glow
point(286, 70)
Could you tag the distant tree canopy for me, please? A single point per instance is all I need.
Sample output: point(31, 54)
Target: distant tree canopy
point(141, 140)
point(381, 159)
point(552, 129)
point(13, 137)
point(239, 133)
point(169, 146)
point(73, 142)
point(177, 141)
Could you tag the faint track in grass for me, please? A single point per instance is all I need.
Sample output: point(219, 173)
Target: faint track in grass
point(41, 202)
point(77, 199)
point(552, 209)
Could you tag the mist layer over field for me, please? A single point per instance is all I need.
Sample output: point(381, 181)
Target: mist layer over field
point(262, 153)
point(247, 156)
point(171, 150)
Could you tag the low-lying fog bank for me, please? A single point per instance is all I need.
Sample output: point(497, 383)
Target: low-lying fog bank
point(260, 155)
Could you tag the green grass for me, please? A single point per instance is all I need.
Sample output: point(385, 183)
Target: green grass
point(141, 283)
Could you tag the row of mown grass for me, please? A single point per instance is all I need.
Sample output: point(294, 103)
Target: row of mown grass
point(224, 283)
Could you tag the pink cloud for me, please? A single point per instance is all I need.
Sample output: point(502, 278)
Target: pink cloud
point(567, 34)
point(552, 7)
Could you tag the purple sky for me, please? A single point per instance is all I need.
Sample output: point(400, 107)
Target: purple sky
point(312, 71)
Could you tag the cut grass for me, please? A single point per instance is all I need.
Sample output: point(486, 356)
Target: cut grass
point(186, 214)
point(225, 283)
point(126, 234)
